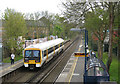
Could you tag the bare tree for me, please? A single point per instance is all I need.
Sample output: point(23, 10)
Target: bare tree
point(76, 11)
point(118, 48)
point(111, 22)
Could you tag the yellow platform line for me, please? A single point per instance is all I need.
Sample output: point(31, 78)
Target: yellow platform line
point(73, 70)
point(74, 65)
point(10, 66)
point(79, 49)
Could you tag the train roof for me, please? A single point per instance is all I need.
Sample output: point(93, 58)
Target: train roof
point(47, 44)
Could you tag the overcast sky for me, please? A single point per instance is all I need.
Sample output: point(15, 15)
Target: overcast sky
point(31, 6)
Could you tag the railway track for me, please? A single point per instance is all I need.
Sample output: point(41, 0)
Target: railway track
point(41, 77)
point(55, 72)
point(41, 74)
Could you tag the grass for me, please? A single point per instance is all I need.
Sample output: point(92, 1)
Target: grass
point(7, 60)
point(113, 68)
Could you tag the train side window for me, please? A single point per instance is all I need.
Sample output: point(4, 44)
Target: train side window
point(60, 44)
point(45, 53)
point(50, 50)
point(56, 47)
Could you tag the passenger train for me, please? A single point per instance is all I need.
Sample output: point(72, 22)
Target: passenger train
point(38, 54)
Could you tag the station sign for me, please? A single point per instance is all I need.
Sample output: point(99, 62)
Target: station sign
point(79, 54)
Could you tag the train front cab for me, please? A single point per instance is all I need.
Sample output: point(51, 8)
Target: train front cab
point(32, 58)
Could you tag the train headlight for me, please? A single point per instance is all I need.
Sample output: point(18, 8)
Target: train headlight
point(27, 61)
point(36, 61)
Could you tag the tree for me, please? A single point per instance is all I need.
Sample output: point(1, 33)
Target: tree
point(62, 27)
point(117, 24)
point(118, 50)
point(31, 22)
point(94, 17)
point(47, 19)
point(41, 22)
point(37, 17)
point(58, 26)
point(14, 27)
point(76, 11)
point(97, 23)
point(111, 22)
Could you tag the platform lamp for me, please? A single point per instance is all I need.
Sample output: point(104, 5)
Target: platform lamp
point(86, 41)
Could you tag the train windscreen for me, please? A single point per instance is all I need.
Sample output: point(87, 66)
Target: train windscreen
point(36, 53)
point(32, 53)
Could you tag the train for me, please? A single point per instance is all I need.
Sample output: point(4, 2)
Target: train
point(38, 54)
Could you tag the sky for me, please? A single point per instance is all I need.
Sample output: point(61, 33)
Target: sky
point(31, 6)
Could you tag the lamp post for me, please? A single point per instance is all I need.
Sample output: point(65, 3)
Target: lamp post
point(86, 47)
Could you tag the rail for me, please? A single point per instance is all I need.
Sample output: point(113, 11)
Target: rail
point(43, 77)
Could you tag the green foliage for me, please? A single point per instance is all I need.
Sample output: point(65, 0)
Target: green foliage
point(62, 27)
point(14, 27)
point(7, 60)
point(113, 68)
point(96, 23)
point(96, 20)
point(14, 23)
point(58, 26)
point(92, 22)
point(57, 30)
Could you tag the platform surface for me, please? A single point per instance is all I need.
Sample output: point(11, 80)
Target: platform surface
point(74, 69)
point(6, 68)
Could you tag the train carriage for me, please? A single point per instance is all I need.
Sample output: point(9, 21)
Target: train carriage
point(37, 54)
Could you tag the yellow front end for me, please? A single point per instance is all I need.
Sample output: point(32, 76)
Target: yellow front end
point(31, 60)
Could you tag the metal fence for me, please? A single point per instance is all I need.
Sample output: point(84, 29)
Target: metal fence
point(95, 71)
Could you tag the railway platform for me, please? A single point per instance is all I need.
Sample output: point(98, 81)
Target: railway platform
point(73, 72)
point(74, 69)
point(6, 68)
